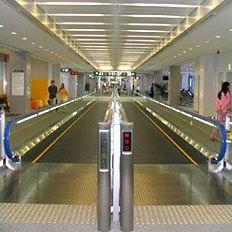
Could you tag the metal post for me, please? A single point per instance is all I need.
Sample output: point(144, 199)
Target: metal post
point(116, 163)
point(104, 188)
point(2, 128)
point(127, 177)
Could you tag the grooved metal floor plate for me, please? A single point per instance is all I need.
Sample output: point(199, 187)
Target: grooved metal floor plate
point(44, 213)
point(186, 214)
point(180, 185)
point(143, 215)
point(52, 184)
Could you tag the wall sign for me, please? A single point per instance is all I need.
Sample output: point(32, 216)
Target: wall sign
point(18, 83)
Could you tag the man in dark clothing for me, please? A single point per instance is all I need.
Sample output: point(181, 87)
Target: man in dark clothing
point(152, 90)
point(52, 90)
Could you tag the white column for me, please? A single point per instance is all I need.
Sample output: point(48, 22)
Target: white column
point(19, 71)
point(158, 77)
point(174, 85)
point(56, 75)
point(206, 85)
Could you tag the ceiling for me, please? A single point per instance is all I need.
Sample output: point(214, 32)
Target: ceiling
point(212, 37)
point(104, 34)
point(117, 33)
point(15, 27)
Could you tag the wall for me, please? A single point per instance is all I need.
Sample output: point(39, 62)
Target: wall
point(39, 79)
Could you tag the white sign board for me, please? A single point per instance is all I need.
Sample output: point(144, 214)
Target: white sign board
point(18, 84)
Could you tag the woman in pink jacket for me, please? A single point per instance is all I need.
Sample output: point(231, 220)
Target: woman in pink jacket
point(223, 106)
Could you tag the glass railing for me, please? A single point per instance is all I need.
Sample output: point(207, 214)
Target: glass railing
point(194, 129)
point(24, 132)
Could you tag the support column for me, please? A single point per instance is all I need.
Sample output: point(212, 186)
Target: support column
point(158, 77)
point(206, 85)
point(174, 85)
point(39, 82)
point(56, 76)
point(81, 84)
point(19, 71)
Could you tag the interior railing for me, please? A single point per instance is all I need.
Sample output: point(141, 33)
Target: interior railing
point(24, 132)
point(193, 128)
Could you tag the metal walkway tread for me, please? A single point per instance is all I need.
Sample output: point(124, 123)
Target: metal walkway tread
point(143, 215)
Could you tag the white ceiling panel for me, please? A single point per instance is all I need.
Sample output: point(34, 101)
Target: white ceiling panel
point(124, 31)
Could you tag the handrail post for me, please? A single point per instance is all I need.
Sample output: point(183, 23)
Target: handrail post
point(127, 177)
point(2, 128)
point(104, 186)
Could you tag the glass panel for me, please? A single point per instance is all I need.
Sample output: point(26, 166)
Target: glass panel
point(27, 131)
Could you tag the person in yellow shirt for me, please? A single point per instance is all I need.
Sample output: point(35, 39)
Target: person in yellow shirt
point(63, 93)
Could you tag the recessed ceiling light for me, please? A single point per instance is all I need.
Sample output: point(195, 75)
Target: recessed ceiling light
point(40, 46)
point(1, 26)
point(46, 50)
point(179, 54)
point(174, 56)
point(24, 38)
point(197, 45)
point(184, 52)
point(13, 33)
point(231, 29)
point(218, 36)
point(33, 43)
point(190, 49)
point(207, 41)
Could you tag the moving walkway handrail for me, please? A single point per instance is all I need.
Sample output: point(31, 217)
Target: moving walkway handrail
point(26, 117)
point(202, 119)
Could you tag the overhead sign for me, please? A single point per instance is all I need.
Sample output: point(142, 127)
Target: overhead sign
point(73, 73)
point(115, 74)
point(66, 70)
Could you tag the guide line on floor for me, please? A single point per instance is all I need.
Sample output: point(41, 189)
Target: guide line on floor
point(166, 135)
point(61, 135)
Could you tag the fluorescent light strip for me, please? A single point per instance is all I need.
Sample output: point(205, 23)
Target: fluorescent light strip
point(138, 44)
point(78, 29)
point(156, 16)
point(135, 52)
point(80, 23)
point(93, 43)
point(141, 40)
point(159, 5)
point(151, 24)
point(90, 40)
point(143, 36)
point(64, 3)
point(97, 49)
point(68, 3)
point(78, 15)
point(148, 31)
point(87, 35)
point(94, 46)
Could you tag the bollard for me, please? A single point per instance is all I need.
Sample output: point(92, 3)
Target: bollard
point(104, 188)
point(127, 178)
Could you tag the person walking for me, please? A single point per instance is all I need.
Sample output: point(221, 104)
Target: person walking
point(63, 93)
point(223, 106)
point(52, 90)
point(152, 90)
